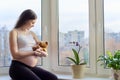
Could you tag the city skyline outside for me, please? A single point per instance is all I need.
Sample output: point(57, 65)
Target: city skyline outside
point(112, 25)
point(72, 18)
point(8, 18)
point(73, 28)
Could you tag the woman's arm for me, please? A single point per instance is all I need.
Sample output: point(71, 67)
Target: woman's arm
point(14, 47)
point(35, 37)
point(42, 53)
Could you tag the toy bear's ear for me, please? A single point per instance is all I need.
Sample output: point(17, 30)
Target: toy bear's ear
point(35, 47)
point(46, 43)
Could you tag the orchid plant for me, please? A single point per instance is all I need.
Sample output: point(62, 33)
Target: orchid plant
point(76, 60)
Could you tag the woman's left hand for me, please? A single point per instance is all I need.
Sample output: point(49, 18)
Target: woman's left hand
point(41, 53)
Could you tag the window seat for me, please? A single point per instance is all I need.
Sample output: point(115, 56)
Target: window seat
point(61, 77)
point(69, 77)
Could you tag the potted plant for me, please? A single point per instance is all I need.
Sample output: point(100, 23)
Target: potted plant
point(79, 64)
point(111, 60)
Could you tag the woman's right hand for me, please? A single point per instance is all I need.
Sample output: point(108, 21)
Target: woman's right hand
point(39, 53)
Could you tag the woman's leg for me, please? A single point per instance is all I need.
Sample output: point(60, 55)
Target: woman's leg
point(43, 74)
point(19, 71)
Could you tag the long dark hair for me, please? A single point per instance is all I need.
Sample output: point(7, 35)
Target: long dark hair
point(24, 17)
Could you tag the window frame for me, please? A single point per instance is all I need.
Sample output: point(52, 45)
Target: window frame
point(96, 44)
point(55, 32)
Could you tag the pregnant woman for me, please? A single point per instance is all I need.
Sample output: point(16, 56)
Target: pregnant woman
point(21, 40)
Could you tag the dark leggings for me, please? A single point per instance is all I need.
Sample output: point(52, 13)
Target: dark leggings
point(20, 71)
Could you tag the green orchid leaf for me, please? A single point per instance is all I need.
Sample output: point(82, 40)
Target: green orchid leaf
point(76, 55)
point(76, 59)
point(72, 60)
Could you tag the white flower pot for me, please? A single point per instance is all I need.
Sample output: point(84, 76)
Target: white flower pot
point(78, 71)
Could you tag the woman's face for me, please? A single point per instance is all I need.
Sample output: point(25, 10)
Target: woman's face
point(30, 23)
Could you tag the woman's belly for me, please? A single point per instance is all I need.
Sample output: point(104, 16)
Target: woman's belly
point(30, 61)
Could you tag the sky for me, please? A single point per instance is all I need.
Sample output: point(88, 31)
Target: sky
point(11, 9)
point(73, 14)
point(112, 15)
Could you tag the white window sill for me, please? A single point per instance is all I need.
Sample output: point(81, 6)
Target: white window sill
point(69, 77)
point(62, 77)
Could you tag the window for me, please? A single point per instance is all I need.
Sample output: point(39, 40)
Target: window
point(73, 27)
point(70, 24)
point(112, 25)
point(82, 22)
point(8, 17)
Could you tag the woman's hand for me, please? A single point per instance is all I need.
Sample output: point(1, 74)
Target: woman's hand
point(43, 53)
point(40, 53)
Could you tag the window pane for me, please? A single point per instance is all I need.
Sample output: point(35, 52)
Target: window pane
point(9, 13)
point(73, 28)
point(112, 24)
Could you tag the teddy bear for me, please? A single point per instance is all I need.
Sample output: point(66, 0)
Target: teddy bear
point(42, 44)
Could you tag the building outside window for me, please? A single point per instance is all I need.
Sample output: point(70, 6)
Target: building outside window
point(73, 27)
point(112, 25)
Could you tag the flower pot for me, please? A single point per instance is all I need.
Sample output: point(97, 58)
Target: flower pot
point(78, 71)
point(116, 74)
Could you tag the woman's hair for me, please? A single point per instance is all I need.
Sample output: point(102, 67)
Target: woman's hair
point(24, 17)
